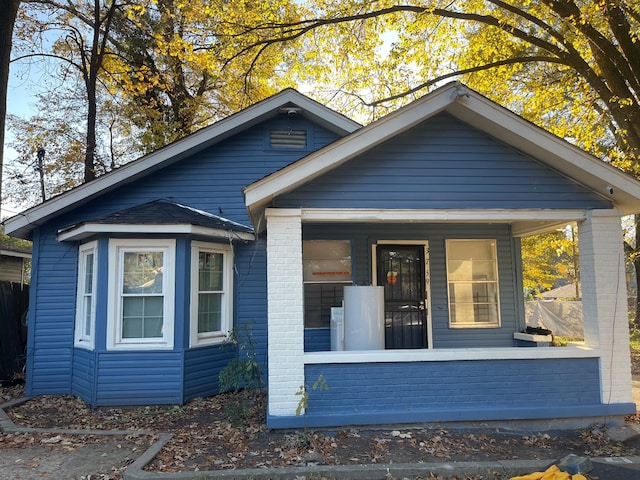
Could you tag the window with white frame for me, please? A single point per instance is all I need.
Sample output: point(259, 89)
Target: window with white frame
point(211, 292)
point(472, 280)
point(326, 266)
point(141, 294)
point(86, 295)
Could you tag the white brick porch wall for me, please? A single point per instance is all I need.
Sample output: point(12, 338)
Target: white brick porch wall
point(604, 300)
point(286, 311)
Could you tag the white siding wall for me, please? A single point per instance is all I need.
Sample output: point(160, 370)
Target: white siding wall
point(604, 298)
point(286, 310)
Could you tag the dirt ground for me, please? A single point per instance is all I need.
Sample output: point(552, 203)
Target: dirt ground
point(224, 432)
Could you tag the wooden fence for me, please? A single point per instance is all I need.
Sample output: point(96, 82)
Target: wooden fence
point(14, 302)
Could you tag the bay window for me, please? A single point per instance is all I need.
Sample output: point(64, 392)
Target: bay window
point(86, 295)
point(141, 294)
point(211, 292)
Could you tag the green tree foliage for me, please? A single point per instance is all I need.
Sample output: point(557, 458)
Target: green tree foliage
point(13, 243)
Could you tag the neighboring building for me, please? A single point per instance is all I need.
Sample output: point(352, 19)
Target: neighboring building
point(262, 221)
point(14, 264)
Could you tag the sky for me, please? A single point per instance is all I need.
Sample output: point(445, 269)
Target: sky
point(21, 100)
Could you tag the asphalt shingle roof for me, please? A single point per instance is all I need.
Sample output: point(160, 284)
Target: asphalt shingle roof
point(165, 212)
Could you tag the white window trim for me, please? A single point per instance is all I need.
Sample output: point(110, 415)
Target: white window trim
point(226, 319)
point(80, 338)
point(497, 324)
point(117, 247)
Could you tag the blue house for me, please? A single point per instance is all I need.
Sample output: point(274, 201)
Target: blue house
point(385, 258)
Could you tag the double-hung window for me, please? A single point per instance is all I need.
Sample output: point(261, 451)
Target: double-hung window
point(211, 292)
point(141, 294)
point(472, 279)
point(86, 295)
point(326, 271)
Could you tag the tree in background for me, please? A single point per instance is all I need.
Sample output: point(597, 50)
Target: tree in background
point(549, 260)
point(572, 68)
point(144, 73)
point(8, 13)
point(168, 78)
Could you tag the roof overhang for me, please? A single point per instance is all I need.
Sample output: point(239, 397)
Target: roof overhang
point(23, 224)
point(524, 222)
point(474, 109)
point(86, 230)
point(12, 253)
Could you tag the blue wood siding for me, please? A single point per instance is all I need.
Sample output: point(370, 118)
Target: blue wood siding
point(51, 317)
point(84, 375)
point(317, 339)
point(451, 391)
point(363, 236)
point(211, 180)
point(202, 367)
point(139, 378)
point(250, 306)
point(442, 163)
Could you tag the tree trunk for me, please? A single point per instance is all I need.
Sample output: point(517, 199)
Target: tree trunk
point(90, 153)
point(635, 255)
point(8, 12)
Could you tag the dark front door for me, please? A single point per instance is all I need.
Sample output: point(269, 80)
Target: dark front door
point(401, 269)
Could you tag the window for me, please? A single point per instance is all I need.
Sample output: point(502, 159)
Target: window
point(326, 270)
point(472, 277)
point(86, 297)
point(211, 292)
point(141, 299)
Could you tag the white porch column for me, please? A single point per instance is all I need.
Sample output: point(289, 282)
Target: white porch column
point(604, 300)
point(285, 297)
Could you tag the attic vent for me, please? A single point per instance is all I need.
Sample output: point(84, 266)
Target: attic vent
point(288, 139)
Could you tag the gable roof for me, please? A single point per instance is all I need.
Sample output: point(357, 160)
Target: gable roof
point(23, 224)
point(473, 109)
point(160, 216)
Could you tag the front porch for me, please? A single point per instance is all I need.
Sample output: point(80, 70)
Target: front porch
point(461, 374)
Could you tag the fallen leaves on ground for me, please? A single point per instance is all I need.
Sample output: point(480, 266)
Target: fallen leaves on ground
point(206, 437)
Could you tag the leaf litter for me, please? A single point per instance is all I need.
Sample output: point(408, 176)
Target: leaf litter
point(205, 438)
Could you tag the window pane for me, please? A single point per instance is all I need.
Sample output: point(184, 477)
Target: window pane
point(132, 307)
point(142, 317)
point(473, 282)
point(142, 272)
point(326, 260)
point(318, 300)
point(132, 327)
point(88, 275)
point(152, 327)
point(210, 275)
point(87, 316)
point(472, 270)
point(209, 312)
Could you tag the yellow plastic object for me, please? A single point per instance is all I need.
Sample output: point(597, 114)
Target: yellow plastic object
point(551, 473)
point(530, 476)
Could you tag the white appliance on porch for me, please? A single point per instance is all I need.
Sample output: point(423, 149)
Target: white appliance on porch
point(362, 324)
